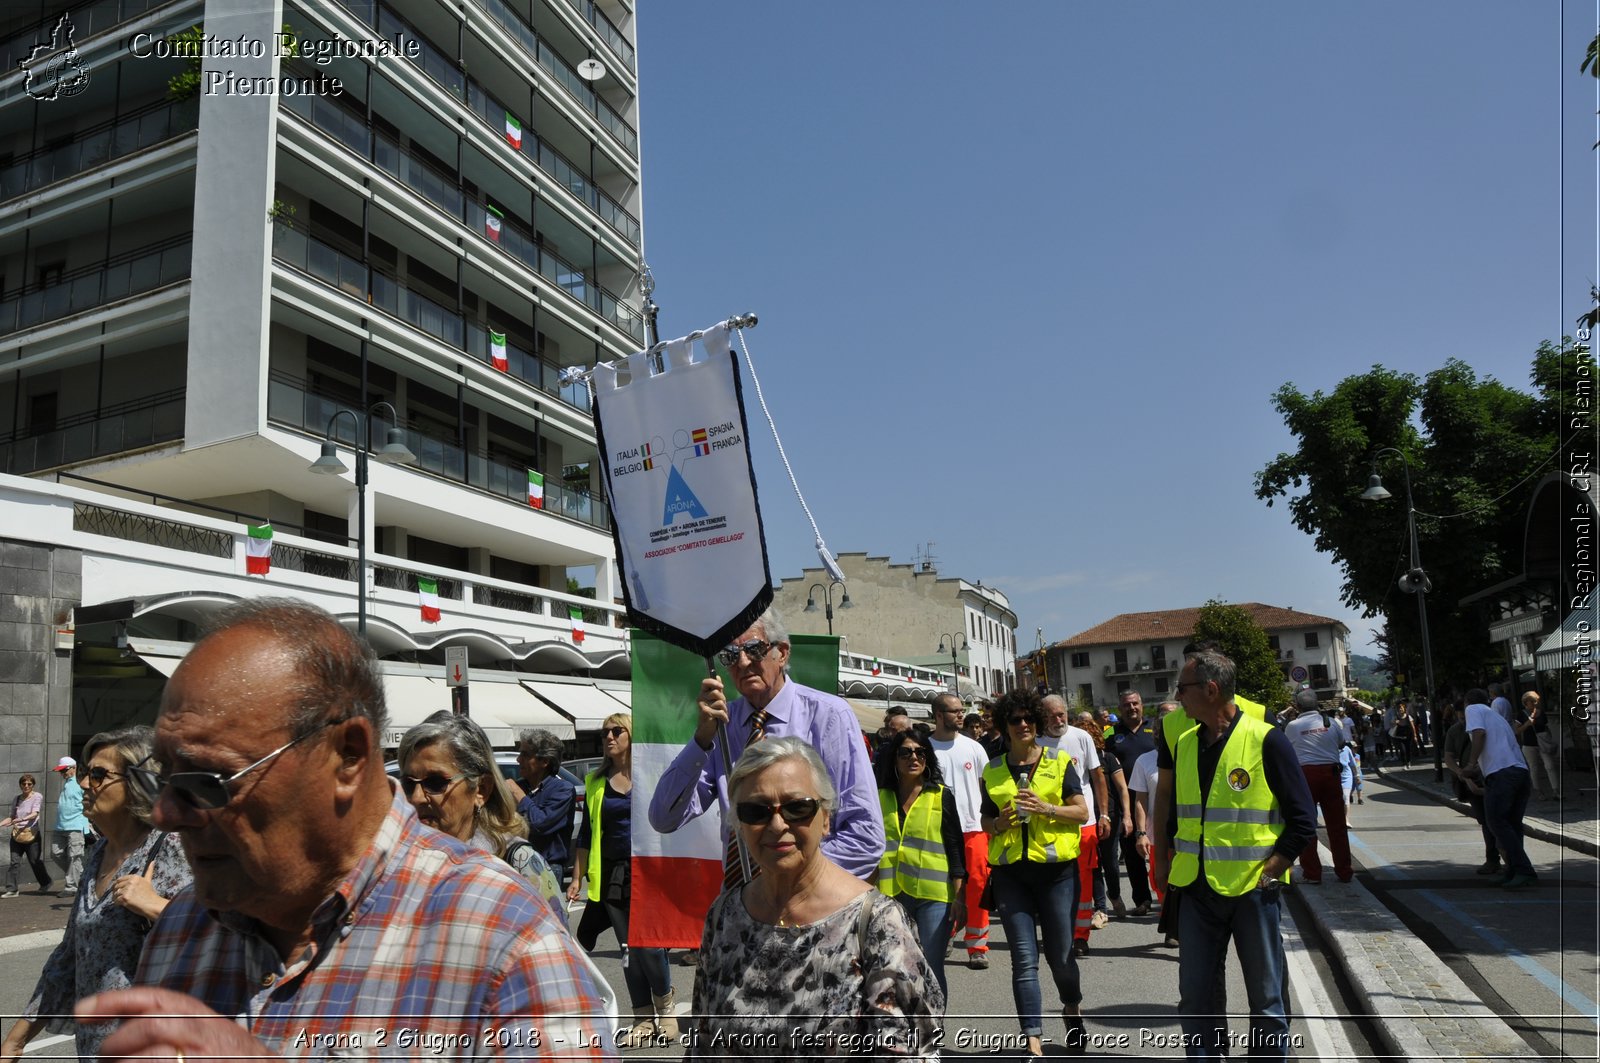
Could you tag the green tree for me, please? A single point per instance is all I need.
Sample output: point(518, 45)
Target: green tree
point(1476, 450)
point(1256, 672)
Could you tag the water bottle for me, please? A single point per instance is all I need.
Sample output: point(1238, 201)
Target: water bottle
point(1022, 784)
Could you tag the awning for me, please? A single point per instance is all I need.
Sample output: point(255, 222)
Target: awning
point(583, 703)
point(622, 694)
point(1572, 644)
point(165, 665)
point(517, 709)
point(413, 698)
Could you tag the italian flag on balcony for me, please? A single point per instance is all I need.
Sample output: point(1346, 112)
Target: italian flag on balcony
point(513, 132)
point(535, 489)
point(577, 623)
point(428, 599)
point(877, 668)
point(258, 559)
point(497, 351)
point(676, 876)
point(491, 223)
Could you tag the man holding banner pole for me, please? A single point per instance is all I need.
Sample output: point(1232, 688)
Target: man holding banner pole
point(772, 704)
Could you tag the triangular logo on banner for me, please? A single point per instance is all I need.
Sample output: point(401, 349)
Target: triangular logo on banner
point(680, 500)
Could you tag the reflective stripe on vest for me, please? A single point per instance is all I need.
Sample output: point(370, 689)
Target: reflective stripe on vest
point(594, 792)
point(914, 860)
point(1050, 840)
point(1233, 830)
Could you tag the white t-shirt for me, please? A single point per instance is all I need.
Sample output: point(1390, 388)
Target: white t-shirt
point(1142, 781)
point(1503, 707)
point(1313, 742)
point(1500, 747)
point(1085, 758)
point(961, 761)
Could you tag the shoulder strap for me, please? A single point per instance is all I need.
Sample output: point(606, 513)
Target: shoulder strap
point(863, 921)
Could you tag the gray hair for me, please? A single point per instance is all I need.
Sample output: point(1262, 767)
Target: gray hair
point(1166, 707)
point(133, 745)
point(469, 747)
point(541, 744)
point(339, 669)
point(760, 756)
point(773, 629)
point(1212, 666)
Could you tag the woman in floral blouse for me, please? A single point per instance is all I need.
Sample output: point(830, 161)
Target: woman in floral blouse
point(127, 880)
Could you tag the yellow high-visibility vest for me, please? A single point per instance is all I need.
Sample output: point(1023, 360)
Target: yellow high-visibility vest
point(1235, 826)
point(1050, 840)
point(594, 793)
point(914, 860)
point(1174, 725)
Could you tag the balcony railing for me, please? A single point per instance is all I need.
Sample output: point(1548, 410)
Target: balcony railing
point(608, 31)
point(118, 277)
point(99, 144)
point(114, 429)
point(290, 403)
point(89, 19)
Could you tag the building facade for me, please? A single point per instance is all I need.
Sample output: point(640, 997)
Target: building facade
point(341, 222)
point(1143, 652)
point(909, 613)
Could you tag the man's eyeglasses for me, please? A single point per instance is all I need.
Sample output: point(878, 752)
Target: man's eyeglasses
point(99, 774)
point(911, 753)
point(797, 812)
point(755, 649)
point(432, 785)
point(208, 790)
point(614, 732)
point(1194, 683)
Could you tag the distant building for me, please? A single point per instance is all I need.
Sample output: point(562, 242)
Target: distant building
point(906, 612)
point(1144, 651)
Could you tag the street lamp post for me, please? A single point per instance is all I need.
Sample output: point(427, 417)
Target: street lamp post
point(1415, 581)
point(827, 594)
point(955, 666)
point(394, 452)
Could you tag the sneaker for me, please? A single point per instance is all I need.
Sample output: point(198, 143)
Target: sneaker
point(9, 893)
point(978, 961)
point(1520, 882)
point(1099, 919)
point(1142, 909)
point(1489, 867)
point(688, 958)
point(1080, 947)
point(1171, 942)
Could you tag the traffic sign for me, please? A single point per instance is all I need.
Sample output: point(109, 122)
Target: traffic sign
point(455, 666)
point(1298, 674)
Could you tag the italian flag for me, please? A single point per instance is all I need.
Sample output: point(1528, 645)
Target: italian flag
point(535, 489)
point(877, 669)
point(577, 622)
point(513, 132)
point(497, 351)
point(491, 223)
point(676, 876)
point(258, 560)
point(428, 599)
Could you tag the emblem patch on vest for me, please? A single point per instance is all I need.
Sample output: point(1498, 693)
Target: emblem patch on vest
point(1239, 779)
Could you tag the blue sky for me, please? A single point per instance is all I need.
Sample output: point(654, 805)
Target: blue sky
point(1029, 273)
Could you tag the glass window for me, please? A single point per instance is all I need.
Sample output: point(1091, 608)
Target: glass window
point(1122, 687)
point(1311, 640)
point(1080, 660)
point(1272, 640)
point(1158, 656)
point(1161, 685)
point(1086, 693)
point(1119, 660)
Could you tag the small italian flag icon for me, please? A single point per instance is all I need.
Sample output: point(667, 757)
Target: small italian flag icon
point(258, 560)
point(577, 623)
point(535, 489)
point(428, 599)
point(513, 132)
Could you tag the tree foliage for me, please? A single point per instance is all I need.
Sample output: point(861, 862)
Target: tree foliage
point(1476, 449)
point(1256, 672)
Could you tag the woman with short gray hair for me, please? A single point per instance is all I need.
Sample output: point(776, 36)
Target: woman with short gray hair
point(548, 800)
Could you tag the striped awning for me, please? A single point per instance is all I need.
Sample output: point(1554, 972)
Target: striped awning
point(1573, 643)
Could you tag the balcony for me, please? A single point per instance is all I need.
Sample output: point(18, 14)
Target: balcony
point(99, 144)
point(89, 19)
point(608, 31)
point(290, 403)
point(131, 273)
point(115, 429)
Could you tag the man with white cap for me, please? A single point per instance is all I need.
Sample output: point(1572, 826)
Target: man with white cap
point(1317, 746)
point(70, 823)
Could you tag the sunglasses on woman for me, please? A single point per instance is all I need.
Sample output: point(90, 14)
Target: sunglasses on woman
point(911, 753)
point(755, 649)
point(432, 785)
point(208, 790)
point(99, 774)
point(614, 732)
point(797, 812)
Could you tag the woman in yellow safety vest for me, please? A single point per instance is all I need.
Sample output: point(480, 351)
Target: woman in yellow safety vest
point(604, 857)
point(924, 864)
point(1032, 809)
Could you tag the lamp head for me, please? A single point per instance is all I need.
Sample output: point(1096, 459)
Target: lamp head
point(811, 603)
point(328, 462)
point(1375, 491)
point(395, 451)
point(846, 603)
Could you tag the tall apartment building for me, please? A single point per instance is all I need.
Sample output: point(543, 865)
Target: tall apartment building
point(411, 218)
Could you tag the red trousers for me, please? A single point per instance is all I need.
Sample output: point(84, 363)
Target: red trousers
point(1329, 796)
point(977, 849)
point(1088, 860)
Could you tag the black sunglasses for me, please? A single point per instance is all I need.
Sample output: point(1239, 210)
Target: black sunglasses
point(208, 790)
point(755, 649)
point(99, 774)
point(1016, 721)
point(432, 785)
point(909, 752)
point(797, 812)
point(614, 732)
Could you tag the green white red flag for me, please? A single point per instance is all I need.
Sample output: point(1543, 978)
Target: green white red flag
point(428, 599)
point(513, 132)
point(497, 351)
point(535, 489)
point(258, 550)
point(491, 223)
point(877, 668)
point(577, 623)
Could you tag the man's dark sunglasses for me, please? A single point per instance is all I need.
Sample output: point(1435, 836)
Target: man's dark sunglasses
point(99, 774)
point(796, 812)
point(432, 785)
point(755, 649)
point(207, 790)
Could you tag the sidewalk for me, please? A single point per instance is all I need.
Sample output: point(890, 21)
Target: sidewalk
point(1573, 821)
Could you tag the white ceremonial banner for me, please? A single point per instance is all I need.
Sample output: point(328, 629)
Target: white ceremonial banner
point(683, 493)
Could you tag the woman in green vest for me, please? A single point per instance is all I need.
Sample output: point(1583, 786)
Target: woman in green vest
point(924, 862)
point(604, 858)
point(1032, 809)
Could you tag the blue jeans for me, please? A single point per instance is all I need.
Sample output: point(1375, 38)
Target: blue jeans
point(1026, 897)
point(1505, 801)
point(1206, 920)
point(932, 920)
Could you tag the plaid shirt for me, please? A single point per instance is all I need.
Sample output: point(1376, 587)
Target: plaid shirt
point(427, 948)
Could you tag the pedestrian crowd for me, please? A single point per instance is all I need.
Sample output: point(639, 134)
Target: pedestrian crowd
point(260, 882)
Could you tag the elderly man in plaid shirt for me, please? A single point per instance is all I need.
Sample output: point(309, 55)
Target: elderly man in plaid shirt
point(325, 921)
